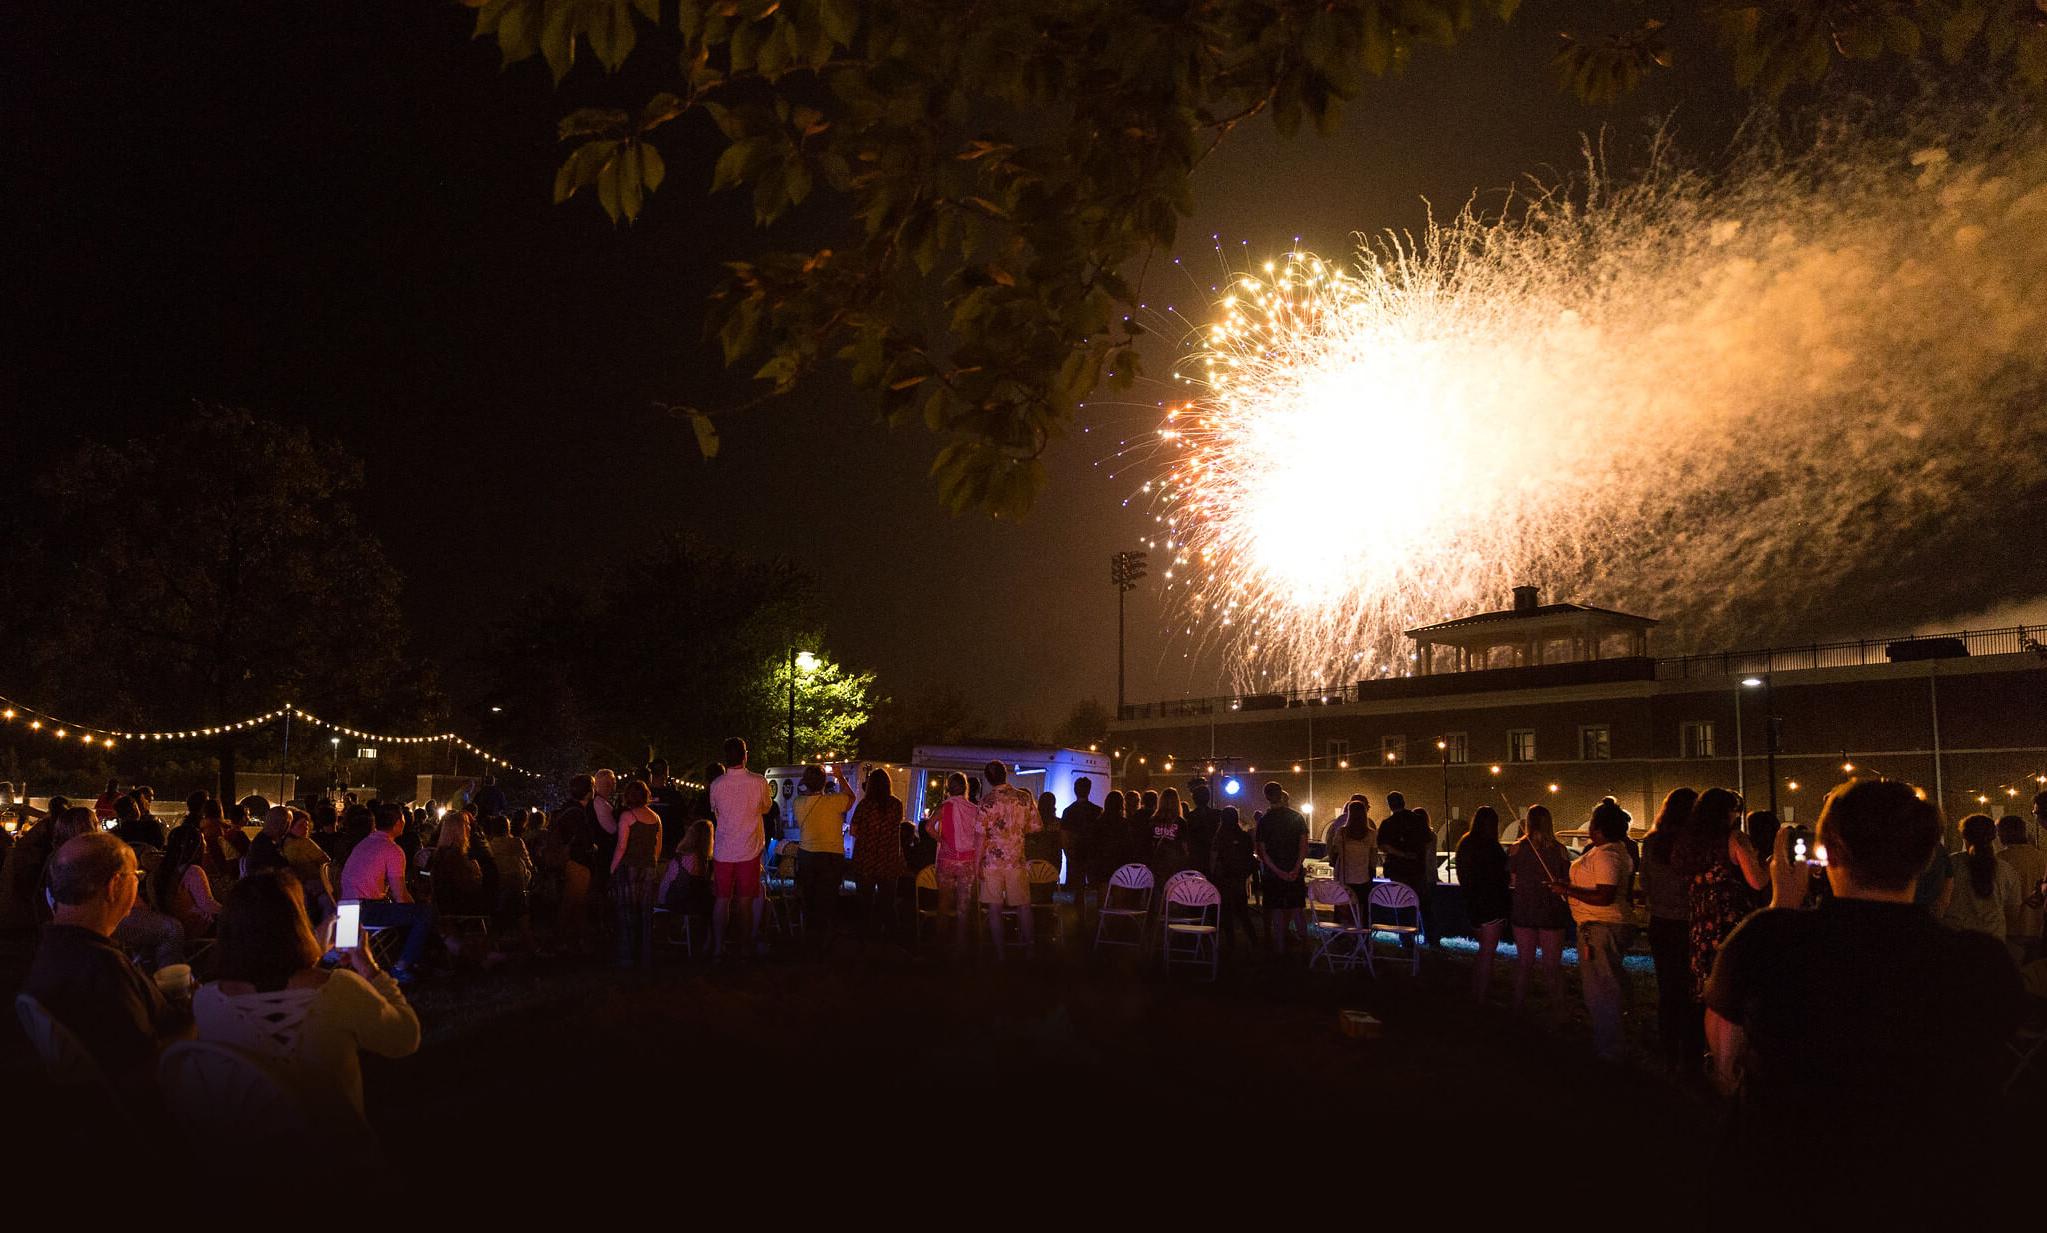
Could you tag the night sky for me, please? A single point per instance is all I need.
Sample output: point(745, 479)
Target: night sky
point(337, 212)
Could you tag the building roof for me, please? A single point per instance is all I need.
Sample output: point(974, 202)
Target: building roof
point(1538, 612)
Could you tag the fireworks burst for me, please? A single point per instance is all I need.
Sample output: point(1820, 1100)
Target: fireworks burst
point(1723, 401)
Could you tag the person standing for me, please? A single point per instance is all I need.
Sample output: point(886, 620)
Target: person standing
point(1008, 817)
point(1986, 888)
point(1232, 858)
point(739, 798)
point(1282, 848)
point(570, 852)
point(957, 828)
point(1353, 847)
point(1198, 829)
point(1536, 863)
point(1407, 847)
point(633, 873)
point(1861, 1038)
point(879, 864)
point(1488, 895)
point(604, 812)
point(2022, 922)
point(668, 800)
point(1597, 891)
point(821, 812)
point(1080, 823)
point(1724, 872)
point(1167, 854)
point(1680, 1020)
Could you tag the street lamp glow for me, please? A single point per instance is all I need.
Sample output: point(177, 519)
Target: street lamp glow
point(1496, 768)
point(1556, 787)
point(806, 662)
point(1752, 681)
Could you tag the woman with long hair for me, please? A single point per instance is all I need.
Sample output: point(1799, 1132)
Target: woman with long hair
point(634, 872)
point(1488, 890)
point(273, 999)
point(457, 877)
point(1680, 1020)
point(1723, 875)
point(1166, 855)
point(1987, 889)
point(1106, 848)
point(1352, 850)
point(182, 887)
point(879, 865)
point(1537, 913)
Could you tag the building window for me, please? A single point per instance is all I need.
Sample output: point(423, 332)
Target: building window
point(1698, 738)
point(1521, 745)
point(1595, 742)
point(1456, 749)
point(1393, 749)
point(1339, 753)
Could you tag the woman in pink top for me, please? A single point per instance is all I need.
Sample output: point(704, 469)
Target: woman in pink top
point(958, 830)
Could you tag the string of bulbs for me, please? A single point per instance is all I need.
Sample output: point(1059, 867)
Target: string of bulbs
point(40, 721)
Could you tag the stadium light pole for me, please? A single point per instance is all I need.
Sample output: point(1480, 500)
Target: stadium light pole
point(1125, 569)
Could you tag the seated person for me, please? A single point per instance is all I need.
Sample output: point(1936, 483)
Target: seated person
point(266, 850)
point(686, 882)
point(182, 887)
point(308, 862)
point(459, 888)
point(84, 980)
point(514, 864)
point(273, 999)
point(375, 875)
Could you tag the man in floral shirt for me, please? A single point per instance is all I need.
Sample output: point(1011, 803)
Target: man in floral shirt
point(1008, 813)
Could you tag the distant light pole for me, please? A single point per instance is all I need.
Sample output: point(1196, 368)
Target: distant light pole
point(1125, 569)
point(1443, 747)
point(335, 743)
point(807, 662)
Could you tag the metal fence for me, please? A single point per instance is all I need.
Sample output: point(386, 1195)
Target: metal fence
point(2010, 640)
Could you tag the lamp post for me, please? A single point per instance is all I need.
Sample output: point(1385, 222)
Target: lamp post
point(334, 743)
point(1740, 762)
point(806, 662)
point(1125, 569)
point(1443, 748)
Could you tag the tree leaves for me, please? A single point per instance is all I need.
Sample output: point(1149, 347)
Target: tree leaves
point(994, 171)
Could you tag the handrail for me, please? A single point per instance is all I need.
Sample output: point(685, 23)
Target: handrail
point(1860, 652)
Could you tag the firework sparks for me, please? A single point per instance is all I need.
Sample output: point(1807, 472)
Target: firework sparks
point(1675, 394)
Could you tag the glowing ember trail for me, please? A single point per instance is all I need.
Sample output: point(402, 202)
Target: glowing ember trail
point(1729, 402)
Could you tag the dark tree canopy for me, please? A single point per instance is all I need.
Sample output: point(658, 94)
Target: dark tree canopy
point(204, 574)
point(996, 176)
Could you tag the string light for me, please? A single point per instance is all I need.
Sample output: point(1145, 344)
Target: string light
point(105, 737)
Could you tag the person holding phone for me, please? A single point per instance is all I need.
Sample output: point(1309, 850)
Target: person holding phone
point(272, 998)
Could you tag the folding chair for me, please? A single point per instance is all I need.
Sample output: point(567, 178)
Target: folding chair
point(783, 903)
point(1406, 925)
point(2024, 1048)
point(930, 905)
point(63, 1055)
point(1132, 906)
point(1346, 941)
point(1191, 911)
point(1044, 876)
point(679, 923)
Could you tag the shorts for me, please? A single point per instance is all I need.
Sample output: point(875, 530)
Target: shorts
point(1284, 896)
point(1005, 884)
point(736, 879)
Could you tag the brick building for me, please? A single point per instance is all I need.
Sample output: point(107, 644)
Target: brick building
point(1561, 703)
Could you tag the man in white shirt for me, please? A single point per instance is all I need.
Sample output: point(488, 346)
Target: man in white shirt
point(375, 875)
point(738, 799)
point(1597, 892)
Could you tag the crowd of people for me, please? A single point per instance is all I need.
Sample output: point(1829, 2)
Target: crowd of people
point(1784, 957)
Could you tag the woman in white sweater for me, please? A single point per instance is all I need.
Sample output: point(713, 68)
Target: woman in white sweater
point(273, 999)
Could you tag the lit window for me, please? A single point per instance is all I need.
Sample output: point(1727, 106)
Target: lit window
point(1456, 748)
point(1521, 745)
point(1698, 738)
point(1393, 749)
point(1595, 742)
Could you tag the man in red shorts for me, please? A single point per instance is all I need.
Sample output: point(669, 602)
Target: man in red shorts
point(738, 799)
